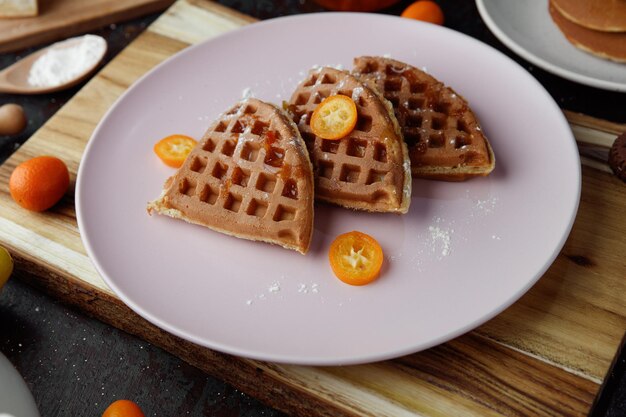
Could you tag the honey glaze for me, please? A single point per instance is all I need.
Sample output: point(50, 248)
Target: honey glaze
point(291, 175)
point(274, 156)
point(290, 171)
point(291, 189)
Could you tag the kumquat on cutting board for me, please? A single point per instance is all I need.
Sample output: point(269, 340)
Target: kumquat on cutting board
point(39, 183)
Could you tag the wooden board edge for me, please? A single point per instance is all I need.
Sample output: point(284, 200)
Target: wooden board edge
point(221, 10)
point(61, 31)
point(273, 384)
point(594, 122)
point(246, 375)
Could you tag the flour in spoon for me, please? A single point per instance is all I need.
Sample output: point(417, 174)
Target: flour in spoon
point(61, 64)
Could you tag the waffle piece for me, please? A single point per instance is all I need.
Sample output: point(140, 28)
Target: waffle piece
point(249, 177)
point(444, 138)
point(369, 168)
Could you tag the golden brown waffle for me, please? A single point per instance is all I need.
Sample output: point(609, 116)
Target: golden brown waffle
point(369, 168)
point(444, 138)
point(248, 177)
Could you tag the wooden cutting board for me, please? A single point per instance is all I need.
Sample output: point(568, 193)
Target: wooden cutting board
point(60, 19)
point(544, 356)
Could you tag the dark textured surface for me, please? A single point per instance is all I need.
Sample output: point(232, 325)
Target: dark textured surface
point(76, 366)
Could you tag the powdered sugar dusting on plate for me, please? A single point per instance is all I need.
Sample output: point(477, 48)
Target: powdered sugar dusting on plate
point(440, 239)
point(285, 287)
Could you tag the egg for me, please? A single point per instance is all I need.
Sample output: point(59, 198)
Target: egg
point(12, 119)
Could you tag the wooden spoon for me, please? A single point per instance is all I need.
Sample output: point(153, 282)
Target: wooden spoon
point(14, 79)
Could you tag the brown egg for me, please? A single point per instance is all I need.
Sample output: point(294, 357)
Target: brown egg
point(12, 119)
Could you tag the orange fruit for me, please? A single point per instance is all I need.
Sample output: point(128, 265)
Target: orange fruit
point(123, 408)
point(39, 183)
point(173, 150)
point(424, 10)
point(334, 117)
point(355, 258)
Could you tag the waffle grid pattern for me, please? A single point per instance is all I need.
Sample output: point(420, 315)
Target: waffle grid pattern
point(244, 166)
point(436, 123)
point(361, 163)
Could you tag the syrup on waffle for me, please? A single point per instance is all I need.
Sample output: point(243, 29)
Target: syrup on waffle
point(249, 177)
point(444, 137)
point(369, 168)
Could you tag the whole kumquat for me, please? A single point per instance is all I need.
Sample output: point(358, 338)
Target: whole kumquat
point(173, 149)
point(39, 183)
point(355, 258)
point(424, 10)
point(123, 408)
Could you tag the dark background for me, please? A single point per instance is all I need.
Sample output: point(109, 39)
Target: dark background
point(76, 366)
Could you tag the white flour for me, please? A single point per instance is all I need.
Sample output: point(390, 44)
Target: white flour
point(61, 64)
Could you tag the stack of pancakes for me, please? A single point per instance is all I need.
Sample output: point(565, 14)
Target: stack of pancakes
point(258, 168)
point(595, 26)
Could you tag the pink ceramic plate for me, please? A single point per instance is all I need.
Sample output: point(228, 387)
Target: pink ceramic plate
point(463, 253)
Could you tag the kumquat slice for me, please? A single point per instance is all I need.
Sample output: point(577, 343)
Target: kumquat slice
point(334, 118)
point(355, 258)
point(173, 150)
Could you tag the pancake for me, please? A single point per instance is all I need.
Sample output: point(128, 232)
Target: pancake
point(607, 45)
point(602, 15)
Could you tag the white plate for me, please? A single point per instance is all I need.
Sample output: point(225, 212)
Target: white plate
point(526, 27)
point(463, 253)
point(15, 398)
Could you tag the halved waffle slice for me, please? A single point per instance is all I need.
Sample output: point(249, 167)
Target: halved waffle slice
point(249, 177)
point(444, 137)
point(369, 168)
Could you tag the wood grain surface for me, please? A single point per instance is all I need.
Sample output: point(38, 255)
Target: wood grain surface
point(59, 19)
point(544, 356)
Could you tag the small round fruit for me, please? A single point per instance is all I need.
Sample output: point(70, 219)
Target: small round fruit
point(355, 258)
point(39, 183)
point(334, 118)
point(123, 408)
point(6, 266)
point(424, 10)
point(174, 149)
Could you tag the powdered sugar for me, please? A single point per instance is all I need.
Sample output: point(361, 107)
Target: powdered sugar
point(356, 93)
point(304, 288)
point(247, 93)
point(277, 289)
point(440, 239)
point(487, 206)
